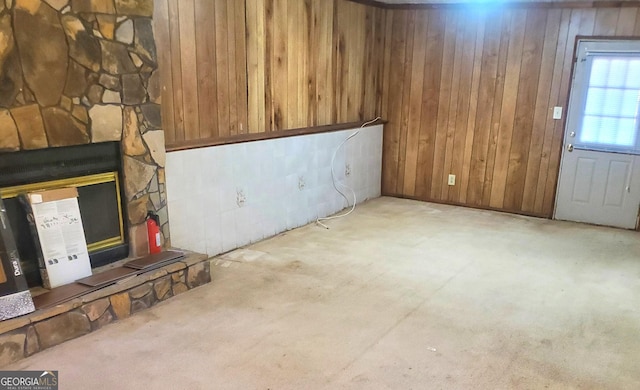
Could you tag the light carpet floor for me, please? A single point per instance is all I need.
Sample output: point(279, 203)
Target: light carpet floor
point(399, 295)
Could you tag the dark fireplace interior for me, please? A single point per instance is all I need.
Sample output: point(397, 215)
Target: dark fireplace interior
point(96, 170)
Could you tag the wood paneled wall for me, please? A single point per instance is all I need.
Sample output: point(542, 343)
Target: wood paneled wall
point(202, 60)
point(313, 63)
point(471, 92)
point(250, 66)
point(466, 91)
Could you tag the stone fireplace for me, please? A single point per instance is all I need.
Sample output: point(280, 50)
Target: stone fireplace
point(79, 85)
point(78, 73)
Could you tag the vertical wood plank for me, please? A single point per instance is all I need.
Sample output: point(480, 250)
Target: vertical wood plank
point(379, 55)
point(542, 110)
point(163, 41)
point(453, 112)
point(206, 60)
point(497, 108)
point(353, 42)
point(587, 21)
point(269, 55)
point(406, 97)
point(291, 118)
point(392, 132)
point(430, 102)
point(507, 116)
point(176, 70)
point(222, 72)
point(261, 79)
point(329, 85)
point(279, 65)
point(342, 60)
point(324, 83)
point(358, 62)
point(309, 84)
point(446, 83)
point(189, 69)
point(368, 74)
point(241, 67)
point(626, 22)
point(473, 107)
point(337, 65)
point(470, 37)
point(312, 46)
point(322, 57)
point(415, 104)
point(525, 109)
point(253, 65)
point(386, 76)
point(387, 152)
point(233, 67)
point(606, 21)
point(550, 128)
point(486, 99)
point(303, 85)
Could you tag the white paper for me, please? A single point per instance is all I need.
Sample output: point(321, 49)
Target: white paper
point(36, 198)
point(62, 240)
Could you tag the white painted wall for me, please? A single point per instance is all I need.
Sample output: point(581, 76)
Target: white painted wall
point(285, 183)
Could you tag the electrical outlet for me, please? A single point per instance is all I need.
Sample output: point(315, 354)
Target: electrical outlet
point(452, 180)
point(241, 199)
point(347, 170)
point(301, 183)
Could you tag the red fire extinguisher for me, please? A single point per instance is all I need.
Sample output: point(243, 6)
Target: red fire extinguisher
point(153, 230)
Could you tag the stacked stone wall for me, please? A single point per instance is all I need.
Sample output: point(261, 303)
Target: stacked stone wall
point(75, 72)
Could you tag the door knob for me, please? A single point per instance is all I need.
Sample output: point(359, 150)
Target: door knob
point(570, 147)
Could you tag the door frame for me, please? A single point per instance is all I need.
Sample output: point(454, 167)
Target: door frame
point(565, 117)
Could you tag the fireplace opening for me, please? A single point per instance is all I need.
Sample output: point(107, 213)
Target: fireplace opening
point(96, 171)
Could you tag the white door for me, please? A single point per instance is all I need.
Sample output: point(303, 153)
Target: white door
point(599, 179)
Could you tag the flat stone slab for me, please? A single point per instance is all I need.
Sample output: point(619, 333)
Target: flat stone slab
point(71, 296)
point(91, 308)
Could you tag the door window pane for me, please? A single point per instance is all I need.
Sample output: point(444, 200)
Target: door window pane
point(610, 118)
point(633, 75)
point(617, 72)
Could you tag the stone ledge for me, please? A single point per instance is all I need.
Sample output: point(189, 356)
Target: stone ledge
point(23, 336)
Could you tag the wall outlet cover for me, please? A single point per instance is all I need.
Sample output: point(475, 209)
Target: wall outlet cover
point(557, 112)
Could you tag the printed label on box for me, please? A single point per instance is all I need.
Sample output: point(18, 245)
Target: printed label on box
point(64, 247)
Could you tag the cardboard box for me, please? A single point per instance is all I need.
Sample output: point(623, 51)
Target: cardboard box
point(15, 298)
point(57, 226)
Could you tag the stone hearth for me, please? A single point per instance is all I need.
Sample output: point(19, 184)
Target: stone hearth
point(23, 336)
point(74, 72)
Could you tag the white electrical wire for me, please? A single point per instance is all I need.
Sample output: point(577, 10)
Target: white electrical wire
point(336, 183)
